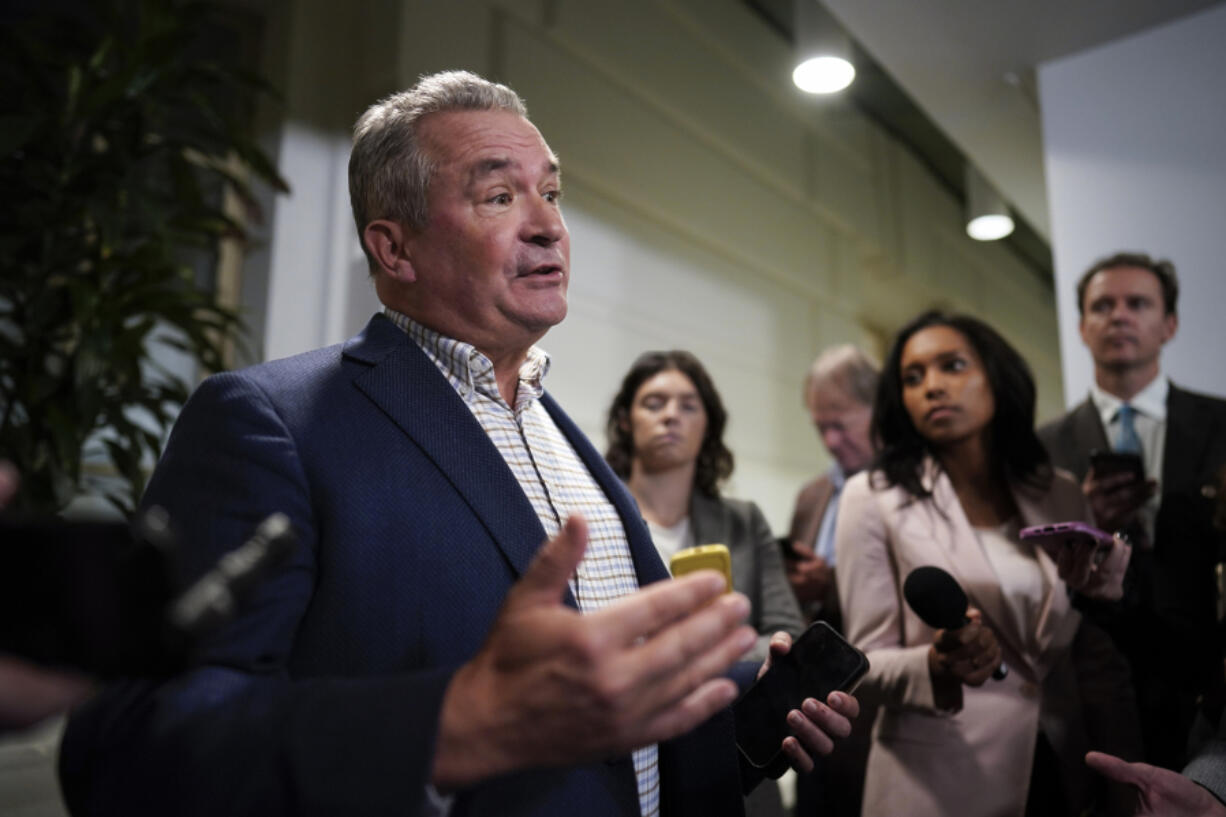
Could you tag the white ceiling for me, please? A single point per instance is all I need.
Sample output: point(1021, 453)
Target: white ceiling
point(970, 66)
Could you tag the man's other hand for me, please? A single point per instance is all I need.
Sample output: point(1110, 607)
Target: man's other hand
point(551, 686)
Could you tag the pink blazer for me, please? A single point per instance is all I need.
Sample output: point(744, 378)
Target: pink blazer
point(975, 760)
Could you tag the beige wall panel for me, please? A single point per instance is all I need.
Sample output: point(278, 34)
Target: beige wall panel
point(606, 136)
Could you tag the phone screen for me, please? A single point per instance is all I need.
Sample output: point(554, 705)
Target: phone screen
point(820, 662)
point(1109, 463)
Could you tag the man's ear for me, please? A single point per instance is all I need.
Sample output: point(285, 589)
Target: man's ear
point(386, 241)
point(1171, 325)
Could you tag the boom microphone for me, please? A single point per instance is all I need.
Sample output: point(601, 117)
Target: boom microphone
point(940, 602)
point(214, 598)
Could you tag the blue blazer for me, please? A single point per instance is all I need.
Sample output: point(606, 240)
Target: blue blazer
point(323, 696)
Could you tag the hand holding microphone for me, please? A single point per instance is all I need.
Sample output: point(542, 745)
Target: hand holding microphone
point(963, 648)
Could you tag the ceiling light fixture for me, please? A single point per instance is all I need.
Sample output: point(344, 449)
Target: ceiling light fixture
point(823, 51)
point(987, 215)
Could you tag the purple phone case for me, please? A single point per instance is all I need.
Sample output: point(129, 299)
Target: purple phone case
point(1066, 534)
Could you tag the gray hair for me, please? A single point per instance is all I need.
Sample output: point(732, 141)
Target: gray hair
point(389, 172)
point(847, 367)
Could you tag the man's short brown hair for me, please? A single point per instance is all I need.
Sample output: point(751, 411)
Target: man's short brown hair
point(1162, 269)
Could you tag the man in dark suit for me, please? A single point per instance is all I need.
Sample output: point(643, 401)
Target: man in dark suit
point(1166, 624)
point(423, 653)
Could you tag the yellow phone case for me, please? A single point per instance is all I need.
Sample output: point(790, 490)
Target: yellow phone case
point(703, 557)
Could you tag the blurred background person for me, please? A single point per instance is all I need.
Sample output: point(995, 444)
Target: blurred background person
point(666, 429)
point(666, 441)
point(838, 393)
point(960, 472)
point(1128, 304)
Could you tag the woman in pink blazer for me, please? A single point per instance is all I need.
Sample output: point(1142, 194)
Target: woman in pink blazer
point(959, 473)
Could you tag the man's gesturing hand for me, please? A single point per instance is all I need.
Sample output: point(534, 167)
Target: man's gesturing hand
point(552, 687)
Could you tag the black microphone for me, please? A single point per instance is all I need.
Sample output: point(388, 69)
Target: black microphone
point(214, 598)
point(938, 599)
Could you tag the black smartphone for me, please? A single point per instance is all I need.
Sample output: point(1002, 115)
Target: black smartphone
point(820, 662)
point(1109, 463)
point(785, 546)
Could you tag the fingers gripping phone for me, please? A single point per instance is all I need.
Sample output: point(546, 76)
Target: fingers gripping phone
point(820, 662)
point(1062, 535)
point(703, 557)
point(1110, 463)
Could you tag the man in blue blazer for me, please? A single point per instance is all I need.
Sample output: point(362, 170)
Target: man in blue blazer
point(423, 652)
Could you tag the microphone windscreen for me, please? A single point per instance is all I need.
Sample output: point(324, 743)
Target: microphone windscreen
point(936, 597)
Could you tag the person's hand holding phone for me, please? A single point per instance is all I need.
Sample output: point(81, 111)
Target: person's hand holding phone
point(1094, 571)
point(768, 728)
point(1089, 560)
point(809, 574)
point(1116, 497)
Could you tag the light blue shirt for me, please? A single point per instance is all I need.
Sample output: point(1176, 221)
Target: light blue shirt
point(824, 546)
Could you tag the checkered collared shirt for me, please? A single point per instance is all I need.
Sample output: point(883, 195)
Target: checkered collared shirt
point(553, 477)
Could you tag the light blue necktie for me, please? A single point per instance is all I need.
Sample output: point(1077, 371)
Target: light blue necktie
point(1128, 441)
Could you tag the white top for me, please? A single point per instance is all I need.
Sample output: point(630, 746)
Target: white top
point(1017, 568)
point(669, 540)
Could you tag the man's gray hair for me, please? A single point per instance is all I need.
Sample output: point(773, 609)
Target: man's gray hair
point(846, 367)
point(389, 172)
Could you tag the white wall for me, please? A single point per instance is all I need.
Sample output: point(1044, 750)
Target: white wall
point(1135, 160)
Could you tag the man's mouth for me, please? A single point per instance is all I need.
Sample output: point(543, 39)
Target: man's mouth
point(541, 271)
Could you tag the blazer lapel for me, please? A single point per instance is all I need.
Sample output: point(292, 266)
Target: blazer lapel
point(707, 520)
point(1187, 428)
point(1054, 615)
point(1087, 435)
point(965, 558)
point(412, 392)
point(647, 563)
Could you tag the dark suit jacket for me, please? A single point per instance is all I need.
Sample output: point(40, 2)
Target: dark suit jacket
point(811, 505)
point(1167, 622)
point(757, 564)
point(323, 697)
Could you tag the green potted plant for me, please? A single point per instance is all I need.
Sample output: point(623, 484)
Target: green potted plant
point(124, 124)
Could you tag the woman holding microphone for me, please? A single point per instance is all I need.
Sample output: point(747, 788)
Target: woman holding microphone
point(959, 473)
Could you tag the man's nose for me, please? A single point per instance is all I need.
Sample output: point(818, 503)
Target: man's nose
point(544, 225)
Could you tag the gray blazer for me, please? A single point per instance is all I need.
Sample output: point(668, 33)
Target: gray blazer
point(757, 565)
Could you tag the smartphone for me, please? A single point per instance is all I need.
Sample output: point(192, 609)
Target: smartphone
point(1109, 463)
point(703, 557)
point(820, 662)
point(788, 550)
point(1059, 535)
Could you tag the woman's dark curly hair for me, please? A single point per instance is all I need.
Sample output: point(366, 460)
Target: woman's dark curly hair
point(1018, 454)
point(714, 459)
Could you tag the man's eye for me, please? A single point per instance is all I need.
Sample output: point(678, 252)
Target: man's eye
point(1100, 306)
point(501, 198)
point(553, 196)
